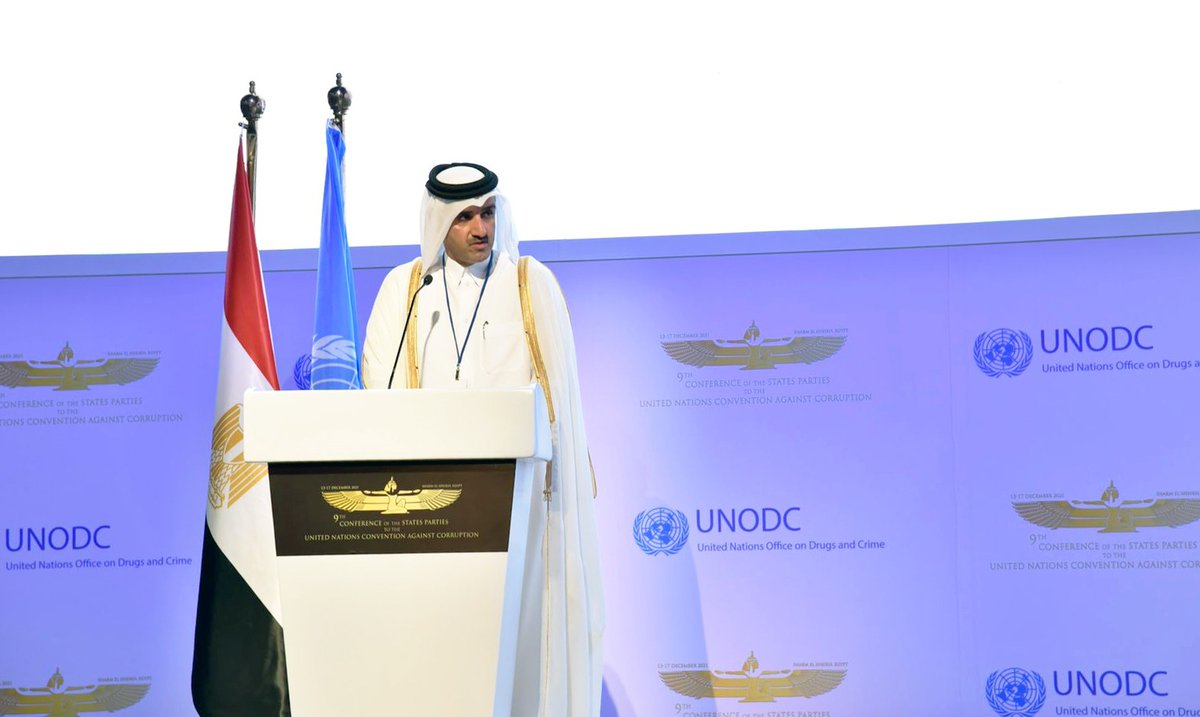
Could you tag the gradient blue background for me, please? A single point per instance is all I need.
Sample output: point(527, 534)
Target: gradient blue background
point(926, 462)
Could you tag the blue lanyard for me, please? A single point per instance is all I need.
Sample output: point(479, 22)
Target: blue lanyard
point(487, 274)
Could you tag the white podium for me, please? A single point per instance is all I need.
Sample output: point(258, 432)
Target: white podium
point(401, 520)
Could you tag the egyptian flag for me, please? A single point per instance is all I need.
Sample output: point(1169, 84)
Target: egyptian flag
point(239, 667)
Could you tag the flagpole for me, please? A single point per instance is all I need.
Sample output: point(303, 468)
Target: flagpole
point(339, 102)
point(253, 107)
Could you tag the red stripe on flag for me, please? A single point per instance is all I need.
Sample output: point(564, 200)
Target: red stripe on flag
point(245, 302)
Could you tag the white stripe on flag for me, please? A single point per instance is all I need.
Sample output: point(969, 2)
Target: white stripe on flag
point(242, 528)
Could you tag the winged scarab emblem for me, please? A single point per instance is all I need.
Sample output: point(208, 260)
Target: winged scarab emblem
point(752, 351)
point(58, 700)
point(68, 373)
point(391, 500)
point(1110, 514)
point(752, 684)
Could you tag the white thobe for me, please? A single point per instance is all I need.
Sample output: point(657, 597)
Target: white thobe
point(559, 659)
point(495, 355)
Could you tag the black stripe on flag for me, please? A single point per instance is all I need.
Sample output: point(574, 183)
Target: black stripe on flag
point(238, 668)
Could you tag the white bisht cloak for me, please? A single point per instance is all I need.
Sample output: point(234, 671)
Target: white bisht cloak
point(562, 580)
point(559, 659)
point(559, 646)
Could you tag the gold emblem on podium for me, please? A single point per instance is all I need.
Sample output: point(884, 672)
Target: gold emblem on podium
point(1110, 514)
point(752, 351)
point(751, 683)
point(67, 373)
point(391, 500)
point(58, 700)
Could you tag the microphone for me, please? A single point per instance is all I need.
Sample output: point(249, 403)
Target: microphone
point(412, 302)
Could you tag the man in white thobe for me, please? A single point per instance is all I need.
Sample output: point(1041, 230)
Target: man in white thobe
point(488, 318)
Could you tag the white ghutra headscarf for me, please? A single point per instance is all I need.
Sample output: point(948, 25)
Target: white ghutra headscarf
point(452, 188)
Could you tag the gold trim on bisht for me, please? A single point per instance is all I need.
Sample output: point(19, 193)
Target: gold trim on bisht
point(535, 355)
point(535, 351)
point(592, 468)
point(410, 354)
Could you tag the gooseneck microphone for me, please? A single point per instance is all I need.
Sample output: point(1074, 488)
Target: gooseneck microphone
point(411, 303)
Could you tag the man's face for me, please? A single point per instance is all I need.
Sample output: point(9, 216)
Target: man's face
point(471, 234)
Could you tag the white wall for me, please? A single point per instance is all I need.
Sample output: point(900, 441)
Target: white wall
point(624, 119)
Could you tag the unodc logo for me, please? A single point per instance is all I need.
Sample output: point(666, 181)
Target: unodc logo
point(1003, 352)
point(1015, 692)
point(660, 531)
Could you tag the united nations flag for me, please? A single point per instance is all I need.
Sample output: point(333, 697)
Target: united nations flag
point(335, 348)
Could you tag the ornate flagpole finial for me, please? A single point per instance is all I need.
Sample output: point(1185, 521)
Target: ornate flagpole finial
point(253, 107)
point(339, 102)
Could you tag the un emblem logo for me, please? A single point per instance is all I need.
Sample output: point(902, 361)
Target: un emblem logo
point(1015, 692)
point(302, 373)
point(660, 531)
point(1003, 352)
point(334, 362)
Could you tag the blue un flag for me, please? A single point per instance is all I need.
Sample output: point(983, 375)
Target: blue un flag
point(336, 348)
